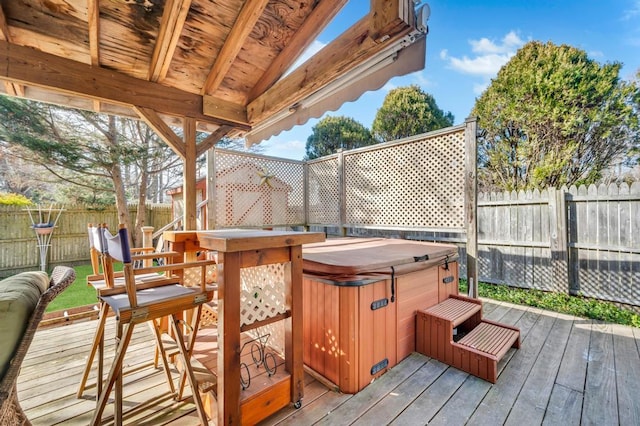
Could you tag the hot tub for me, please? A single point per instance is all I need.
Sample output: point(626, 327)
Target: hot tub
point(360, 301)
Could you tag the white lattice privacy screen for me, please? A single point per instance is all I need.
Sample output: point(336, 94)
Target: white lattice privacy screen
point(259, 191)
point(324, 191)
point(413, 184)
point(417, 182)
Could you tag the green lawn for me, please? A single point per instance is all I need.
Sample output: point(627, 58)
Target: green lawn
point(558, 302)
point(77, 294)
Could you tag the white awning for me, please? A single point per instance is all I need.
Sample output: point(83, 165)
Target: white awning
point(397, 60)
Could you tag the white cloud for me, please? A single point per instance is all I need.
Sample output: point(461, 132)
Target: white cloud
point(389, 86)
point(282, 147)
point(486, 65)
point(487, 58)
point(632, 11)
point(420, 79)
point(490, 56)
point(510, 43)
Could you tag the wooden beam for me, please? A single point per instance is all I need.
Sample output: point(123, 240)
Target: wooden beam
point(4, 27)
point(306, 34)
point(249, 15)
point(29, 66)
point(189, 175)
point(11, 88)
point(93, 19)
point(388, 17)
point(173, 18)
point(216, 107)
point(160, 127)
point(344, 53)
point(212, 139)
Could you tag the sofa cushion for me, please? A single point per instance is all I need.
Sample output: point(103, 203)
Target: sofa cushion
point(19, 296)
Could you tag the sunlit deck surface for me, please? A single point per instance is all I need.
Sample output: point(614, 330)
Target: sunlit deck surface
point(568, 371)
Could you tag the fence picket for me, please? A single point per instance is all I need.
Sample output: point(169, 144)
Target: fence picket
point(69, 242)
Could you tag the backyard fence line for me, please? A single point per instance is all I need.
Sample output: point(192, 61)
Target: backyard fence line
point(69, 241)
point(579, 240)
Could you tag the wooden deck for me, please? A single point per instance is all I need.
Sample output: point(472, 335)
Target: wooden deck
point(568, 371)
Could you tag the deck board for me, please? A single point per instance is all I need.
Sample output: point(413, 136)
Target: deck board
point(535, 394)
point(567, 371)
point(626, 357)
point(403, 396)
point(600, 394)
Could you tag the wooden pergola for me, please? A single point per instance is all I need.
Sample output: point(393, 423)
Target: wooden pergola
point(214, 66)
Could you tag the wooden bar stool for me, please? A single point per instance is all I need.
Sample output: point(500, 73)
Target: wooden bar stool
point(134, 304)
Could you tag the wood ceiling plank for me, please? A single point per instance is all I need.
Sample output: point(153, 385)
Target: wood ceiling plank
point(318, 19)
point(249, 15)
point(173, 21)
point(93, 20)
point(344, 53)
point(154, 121)
point(29, 66)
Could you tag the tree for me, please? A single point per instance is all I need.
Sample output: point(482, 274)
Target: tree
point(408, 111)
point(333, 133)
point(553, 117)
point(97, 152)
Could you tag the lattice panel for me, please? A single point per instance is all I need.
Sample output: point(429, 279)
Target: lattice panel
point(262, 293)
point(258, 191)
point(192, 275)
point(417, 184)
point(324, 192)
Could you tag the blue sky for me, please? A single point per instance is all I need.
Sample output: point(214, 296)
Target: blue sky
point(469, 41)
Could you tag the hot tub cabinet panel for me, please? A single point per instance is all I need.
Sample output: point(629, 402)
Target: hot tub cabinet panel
point(347, 341)
point(415, 291)
point(355, 330)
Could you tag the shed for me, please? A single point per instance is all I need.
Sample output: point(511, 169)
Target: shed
point(246, 195)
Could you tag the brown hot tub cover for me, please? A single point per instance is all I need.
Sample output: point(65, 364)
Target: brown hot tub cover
point(351, 259)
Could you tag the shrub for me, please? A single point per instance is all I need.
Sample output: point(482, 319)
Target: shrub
point(14, 200)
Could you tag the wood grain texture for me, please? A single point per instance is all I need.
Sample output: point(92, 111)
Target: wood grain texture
point(52, 369)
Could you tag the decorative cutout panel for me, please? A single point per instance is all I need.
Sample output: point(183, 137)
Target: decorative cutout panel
point(192, 275)
point(257, 190)
point(262, 294)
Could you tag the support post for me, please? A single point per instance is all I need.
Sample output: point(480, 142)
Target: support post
point(558, 236)
point(342, 194)
point(189, 175)
point(212, 205)
point(471, 202)
point(147, 241)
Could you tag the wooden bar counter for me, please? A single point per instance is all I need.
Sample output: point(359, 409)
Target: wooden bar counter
point(239, 249)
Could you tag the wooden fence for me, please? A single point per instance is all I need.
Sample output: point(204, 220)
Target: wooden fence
point(69, 242)
point(582, 240)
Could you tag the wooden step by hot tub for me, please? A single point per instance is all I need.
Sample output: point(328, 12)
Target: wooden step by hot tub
point(454, 332)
